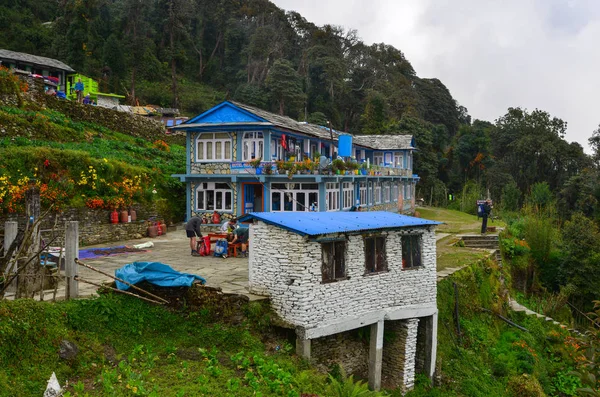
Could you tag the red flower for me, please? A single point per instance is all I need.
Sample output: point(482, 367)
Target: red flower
point(46, 163)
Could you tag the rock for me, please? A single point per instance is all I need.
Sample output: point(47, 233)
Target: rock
point(138, 236)
point(68, 350)
point(53, 389)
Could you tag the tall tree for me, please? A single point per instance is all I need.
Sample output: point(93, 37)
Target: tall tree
point(284, 84)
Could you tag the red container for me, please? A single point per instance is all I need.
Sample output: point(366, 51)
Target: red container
point(114, 217)
point(163, 227)
point(152, 231)
point(133, 215)
point(216, 218)
point(124, 216)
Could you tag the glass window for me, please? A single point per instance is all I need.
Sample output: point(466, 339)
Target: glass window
point(411, 251)
point(252, 145)
point(375, 255)
point(333, 265)
point(213, 146)
point(214, 197)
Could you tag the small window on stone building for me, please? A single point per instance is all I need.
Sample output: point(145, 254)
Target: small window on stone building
point(333, 266)
point(375, 258)
point(411, 251)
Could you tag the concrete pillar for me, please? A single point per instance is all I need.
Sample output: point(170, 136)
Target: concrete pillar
point(375, 355)
point(10, 234)
point(71, 253)
point(431, 345)
point(303, 347)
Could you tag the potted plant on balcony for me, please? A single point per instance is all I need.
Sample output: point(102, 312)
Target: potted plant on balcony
point(255, 163)
point(268, 169)
point(364, 169)
point(338, 166)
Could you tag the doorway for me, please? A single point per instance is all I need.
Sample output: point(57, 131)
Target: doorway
point(253, 197)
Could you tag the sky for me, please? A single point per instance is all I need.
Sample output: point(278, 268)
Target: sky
point(492, 55)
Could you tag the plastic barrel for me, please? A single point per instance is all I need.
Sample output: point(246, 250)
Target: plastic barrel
point(345, 145)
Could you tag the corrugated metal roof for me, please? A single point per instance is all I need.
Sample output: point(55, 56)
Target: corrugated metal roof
point(34, 59)
point(384, 142)
point(318, 223)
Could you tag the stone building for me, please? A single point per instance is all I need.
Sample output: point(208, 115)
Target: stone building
point(330, 273)
point(223, 141)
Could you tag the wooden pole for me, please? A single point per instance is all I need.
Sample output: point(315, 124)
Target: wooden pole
point(71, 254)
point(10, 234)
point(77, 278)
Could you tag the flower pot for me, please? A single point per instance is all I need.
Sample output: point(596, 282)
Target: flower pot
point(259, 170)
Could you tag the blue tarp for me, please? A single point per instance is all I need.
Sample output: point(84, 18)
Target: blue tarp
point(156, 273)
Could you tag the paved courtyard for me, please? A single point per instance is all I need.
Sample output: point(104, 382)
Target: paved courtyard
point(173, 249)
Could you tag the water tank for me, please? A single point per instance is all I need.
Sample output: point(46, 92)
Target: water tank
point(345, 145)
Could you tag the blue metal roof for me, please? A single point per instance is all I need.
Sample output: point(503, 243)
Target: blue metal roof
point(316, 223)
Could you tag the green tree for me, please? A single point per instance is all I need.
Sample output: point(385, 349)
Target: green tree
point(284, 84)
point(511, 197)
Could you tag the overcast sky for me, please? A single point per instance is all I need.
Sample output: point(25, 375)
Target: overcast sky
point(491, 55)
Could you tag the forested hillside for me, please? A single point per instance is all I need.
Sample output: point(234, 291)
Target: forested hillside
point(191, 54)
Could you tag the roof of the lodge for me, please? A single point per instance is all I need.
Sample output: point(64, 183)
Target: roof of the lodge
point(35, 59)
point(225, 114)
point(320, 223)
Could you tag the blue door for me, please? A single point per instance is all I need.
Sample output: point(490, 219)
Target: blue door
point(253, 197)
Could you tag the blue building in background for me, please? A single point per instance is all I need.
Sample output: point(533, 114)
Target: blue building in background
point(236, 156)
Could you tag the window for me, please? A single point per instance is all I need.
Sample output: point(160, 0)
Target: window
point(386, 193)
point(398, 160)
point(332, 191)
point(348, 194)
point(363, 193)
point(377, 192)
point(252, 146)
point(294, 197)
point(375, 258)
point(333, 266)
point(388, 158)
point(407, 191)
point(411, 251)
point(214, 197)
point(394, 192)
point(378, 158)
point(213, 147)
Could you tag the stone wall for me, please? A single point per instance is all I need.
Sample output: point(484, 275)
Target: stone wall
point(350, 350)
point(287, 267)
point(399, 354)
point(94, 225)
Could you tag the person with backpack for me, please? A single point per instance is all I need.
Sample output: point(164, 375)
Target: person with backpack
point(486, 208)
point(192, 230)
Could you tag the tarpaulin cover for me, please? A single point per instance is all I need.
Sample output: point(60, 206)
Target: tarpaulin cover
point(156, 273)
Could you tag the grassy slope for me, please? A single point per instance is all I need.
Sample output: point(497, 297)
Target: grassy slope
point(454, 223)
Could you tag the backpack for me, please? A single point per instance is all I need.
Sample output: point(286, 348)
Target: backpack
point(202, 249)
point(480, 210)
point(221, 247)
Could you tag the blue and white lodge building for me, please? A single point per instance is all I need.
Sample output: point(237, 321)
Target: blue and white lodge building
point(222, 140)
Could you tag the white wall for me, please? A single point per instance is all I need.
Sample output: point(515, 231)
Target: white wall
point(287, 267)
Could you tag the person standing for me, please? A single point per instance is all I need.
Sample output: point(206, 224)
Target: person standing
point(192, 230)
point(485, 212)
point(79, 90)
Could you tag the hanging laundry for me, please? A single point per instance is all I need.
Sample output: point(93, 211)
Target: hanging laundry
point(283, 142)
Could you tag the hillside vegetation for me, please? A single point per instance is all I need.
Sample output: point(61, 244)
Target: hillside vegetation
point(78, 163)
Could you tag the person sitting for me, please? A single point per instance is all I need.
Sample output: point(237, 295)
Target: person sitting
point(241, 236)
point(87, 100)
point(229, 226)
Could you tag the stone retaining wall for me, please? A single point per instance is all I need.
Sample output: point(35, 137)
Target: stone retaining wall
point(349, 349)
point(94, 225)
